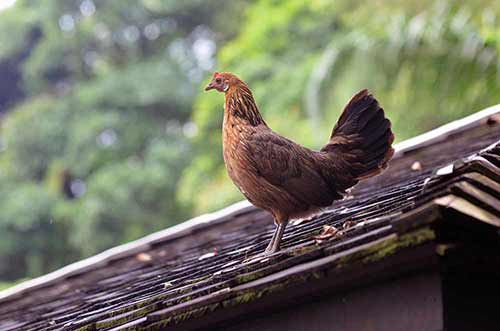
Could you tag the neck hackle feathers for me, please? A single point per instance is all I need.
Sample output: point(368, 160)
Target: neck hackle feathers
point(239, 102)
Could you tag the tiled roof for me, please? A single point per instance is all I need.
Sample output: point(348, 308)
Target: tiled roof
point(201, 271)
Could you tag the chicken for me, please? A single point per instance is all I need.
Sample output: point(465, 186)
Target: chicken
point(291, 181)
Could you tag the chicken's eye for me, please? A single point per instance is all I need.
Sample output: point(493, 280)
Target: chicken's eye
point(218, 80)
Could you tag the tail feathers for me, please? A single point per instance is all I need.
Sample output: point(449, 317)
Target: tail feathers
point(360, 141)
point(357, 114)
point(375, 135)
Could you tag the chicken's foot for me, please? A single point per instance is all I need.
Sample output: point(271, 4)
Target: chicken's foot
point(274, 244)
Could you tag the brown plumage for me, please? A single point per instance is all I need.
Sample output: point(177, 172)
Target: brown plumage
point(289, 180)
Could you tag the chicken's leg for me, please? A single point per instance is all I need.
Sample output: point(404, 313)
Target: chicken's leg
point(274, 244)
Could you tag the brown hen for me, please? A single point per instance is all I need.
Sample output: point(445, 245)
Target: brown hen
point(291, 181)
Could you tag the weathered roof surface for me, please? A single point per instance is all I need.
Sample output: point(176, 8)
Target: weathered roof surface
point(199, 271)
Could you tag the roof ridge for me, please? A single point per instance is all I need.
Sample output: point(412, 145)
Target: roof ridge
point(128, 249)
point(440, 133)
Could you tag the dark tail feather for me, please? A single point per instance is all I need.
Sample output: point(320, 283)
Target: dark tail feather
point(362, 138)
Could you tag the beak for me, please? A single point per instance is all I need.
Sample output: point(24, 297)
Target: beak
point(209, 87)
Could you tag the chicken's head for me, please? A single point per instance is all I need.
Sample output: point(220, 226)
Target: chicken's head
point(221, 81)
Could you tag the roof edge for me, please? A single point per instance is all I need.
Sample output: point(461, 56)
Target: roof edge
point(127, 249)
point(218, 217)
point(440, 133)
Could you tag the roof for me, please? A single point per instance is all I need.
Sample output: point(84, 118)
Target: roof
point(200, 272)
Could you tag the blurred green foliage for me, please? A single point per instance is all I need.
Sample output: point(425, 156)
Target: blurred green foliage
point(91, 155)
point(105, 134)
